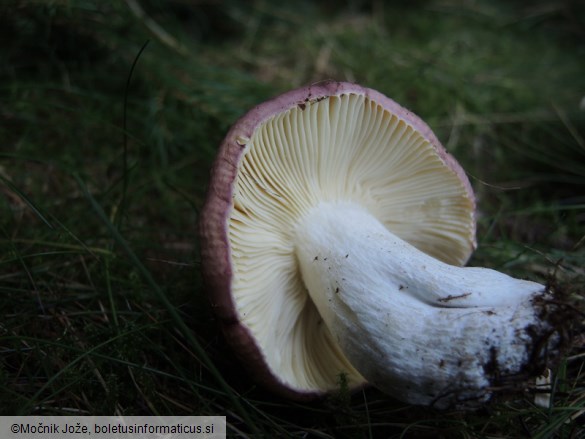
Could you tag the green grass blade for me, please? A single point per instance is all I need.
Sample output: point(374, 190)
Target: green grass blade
point(176, 318)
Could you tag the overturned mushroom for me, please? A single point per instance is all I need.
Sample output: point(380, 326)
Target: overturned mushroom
point(332, 239)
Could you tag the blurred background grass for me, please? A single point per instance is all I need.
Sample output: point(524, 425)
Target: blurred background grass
point(103, 311)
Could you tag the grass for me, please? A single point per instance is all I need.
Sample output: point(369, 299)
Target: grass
point(102, 303)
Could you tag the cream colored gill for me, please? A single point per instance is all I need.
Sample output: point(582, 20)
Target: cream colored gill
point(341, 148)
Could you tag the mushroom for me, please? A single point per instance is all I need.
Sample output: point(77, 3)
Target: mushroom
point(332, 240)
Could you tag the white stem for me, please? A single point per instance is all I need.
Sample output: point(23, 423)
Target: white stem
point(421, 330)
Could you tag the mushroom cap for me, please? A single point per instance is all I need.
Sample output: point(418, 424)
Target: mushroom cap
point(331, 141)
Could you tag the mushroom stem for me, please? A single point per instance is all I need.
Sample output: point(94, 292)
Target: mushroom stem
point(417, 328)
